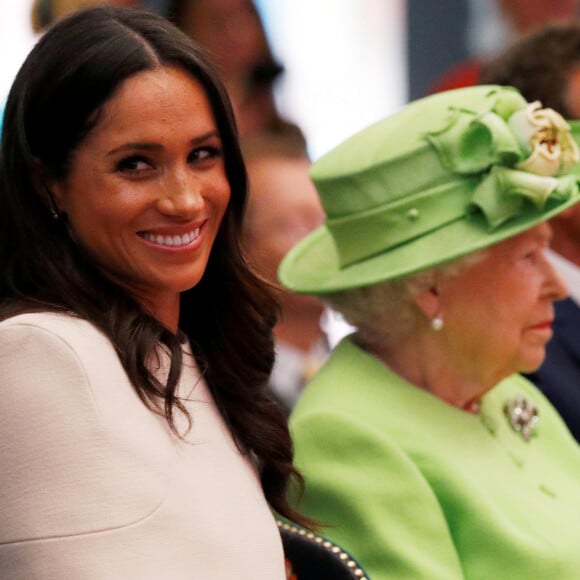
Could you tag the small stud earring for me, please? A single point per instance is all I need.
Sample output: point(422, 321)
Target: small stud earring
point(52, 207)
point(437, 323)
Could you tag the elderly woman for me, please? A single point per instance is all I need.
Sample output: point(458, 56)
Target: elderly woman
point(423, 449)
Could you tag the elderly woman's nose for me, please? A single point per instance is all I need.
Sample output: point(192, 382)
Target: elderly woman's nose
point(557, 286)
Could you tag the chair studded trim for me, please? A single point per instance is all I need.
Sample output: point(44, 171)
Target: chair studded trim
point(310, 556)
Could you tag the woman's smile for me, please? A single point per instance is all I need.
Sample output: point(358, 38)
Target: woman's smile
point(174, 241)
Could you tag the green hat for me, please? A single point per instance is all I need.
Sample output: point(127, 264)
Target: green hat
point(447, 175)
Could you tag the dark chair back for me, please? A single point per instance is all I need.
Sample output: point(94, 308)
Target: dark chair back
point(310, 556)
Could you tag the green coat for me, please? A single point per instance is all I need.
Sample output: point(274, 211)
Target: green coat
point(416, 488)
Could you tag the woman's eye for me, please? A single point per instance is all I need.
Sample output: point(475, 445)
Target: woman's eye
point(204, 153)
point(133, 164)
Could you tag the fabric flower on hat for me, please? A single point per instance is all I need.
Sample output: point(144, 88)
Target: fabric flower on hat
point(520, 154)
point(545, 136)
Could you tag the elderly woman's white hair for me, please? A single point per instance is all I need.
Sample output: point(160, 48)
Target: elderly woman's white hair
point(386, 313)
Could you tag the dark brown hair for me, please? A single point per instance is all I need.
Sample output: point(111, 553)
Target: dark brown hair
point(228, 317)
point(539, 66)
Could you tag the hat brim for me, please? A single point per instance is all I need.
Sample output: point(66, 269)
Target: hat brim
point(312, 266)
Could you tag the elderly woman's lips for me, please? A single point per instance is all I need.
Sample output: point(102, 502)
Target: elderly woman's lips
point(546, 325)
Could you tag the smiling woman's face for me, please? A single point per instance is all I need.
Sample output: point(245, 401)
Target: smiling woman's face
point(147, 188)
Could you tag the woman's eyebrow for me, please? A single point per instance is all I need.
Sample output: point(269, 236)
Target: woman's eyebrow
point(150, 146)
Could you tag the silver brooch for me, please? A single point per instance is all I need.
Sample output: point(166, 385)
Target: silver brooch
point(522, 415)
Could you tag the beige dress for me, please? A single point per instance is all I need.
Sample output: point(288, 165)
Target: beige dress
point(94, 486)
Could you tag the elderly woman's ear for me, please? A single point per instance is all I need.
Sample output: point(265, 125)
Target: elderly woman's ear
point(429, 302)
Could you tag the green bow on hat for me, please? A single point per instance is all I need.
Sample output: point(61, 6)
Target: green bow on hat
point(447, 175)
point(478, 143)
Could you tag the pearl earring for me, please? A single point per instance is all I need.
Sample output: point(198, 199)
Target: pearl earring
point(437, 323)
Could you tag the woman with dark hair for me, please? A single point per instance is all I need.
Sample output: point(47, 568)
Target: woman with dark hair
point(138, 439)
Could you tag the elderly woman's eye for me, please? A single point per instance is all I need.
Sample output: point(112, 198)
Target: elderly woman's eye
point(532, 255)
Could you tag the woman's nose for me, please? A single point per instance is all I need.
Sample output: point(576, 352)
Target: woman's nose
point(181, 197)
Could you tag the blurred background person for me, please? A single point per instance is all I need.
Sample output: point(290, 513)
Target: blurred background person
point(47, 12)
point(283, 207)
point(546, 66)
point(515, 19)
point(234, 35)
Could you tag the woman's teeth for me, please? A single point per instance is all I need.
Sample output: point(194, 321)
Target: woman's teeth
point(171, 240)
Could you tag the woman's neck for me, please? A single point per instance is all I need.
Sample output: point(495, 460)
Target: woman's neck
point(421, 362)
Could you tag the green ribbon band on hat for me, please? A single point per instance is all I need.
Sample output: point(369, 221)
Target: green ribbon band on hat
point(504, 193)
point(341, 195)
point(398, 222)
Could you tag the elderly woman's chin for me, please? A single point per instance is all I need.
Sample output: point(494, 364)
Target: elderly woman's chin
point(533, 361)
point(534, 350)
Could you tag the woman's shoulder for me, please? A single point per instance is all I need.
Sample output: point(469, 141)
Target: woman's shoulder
point(38, 348)
point(55, 331)
point(58, 323)
point(58, 358)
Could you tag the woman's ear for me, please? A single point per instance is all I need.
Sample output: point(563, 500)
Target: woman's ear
point(45, 187)
point(429, 302)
